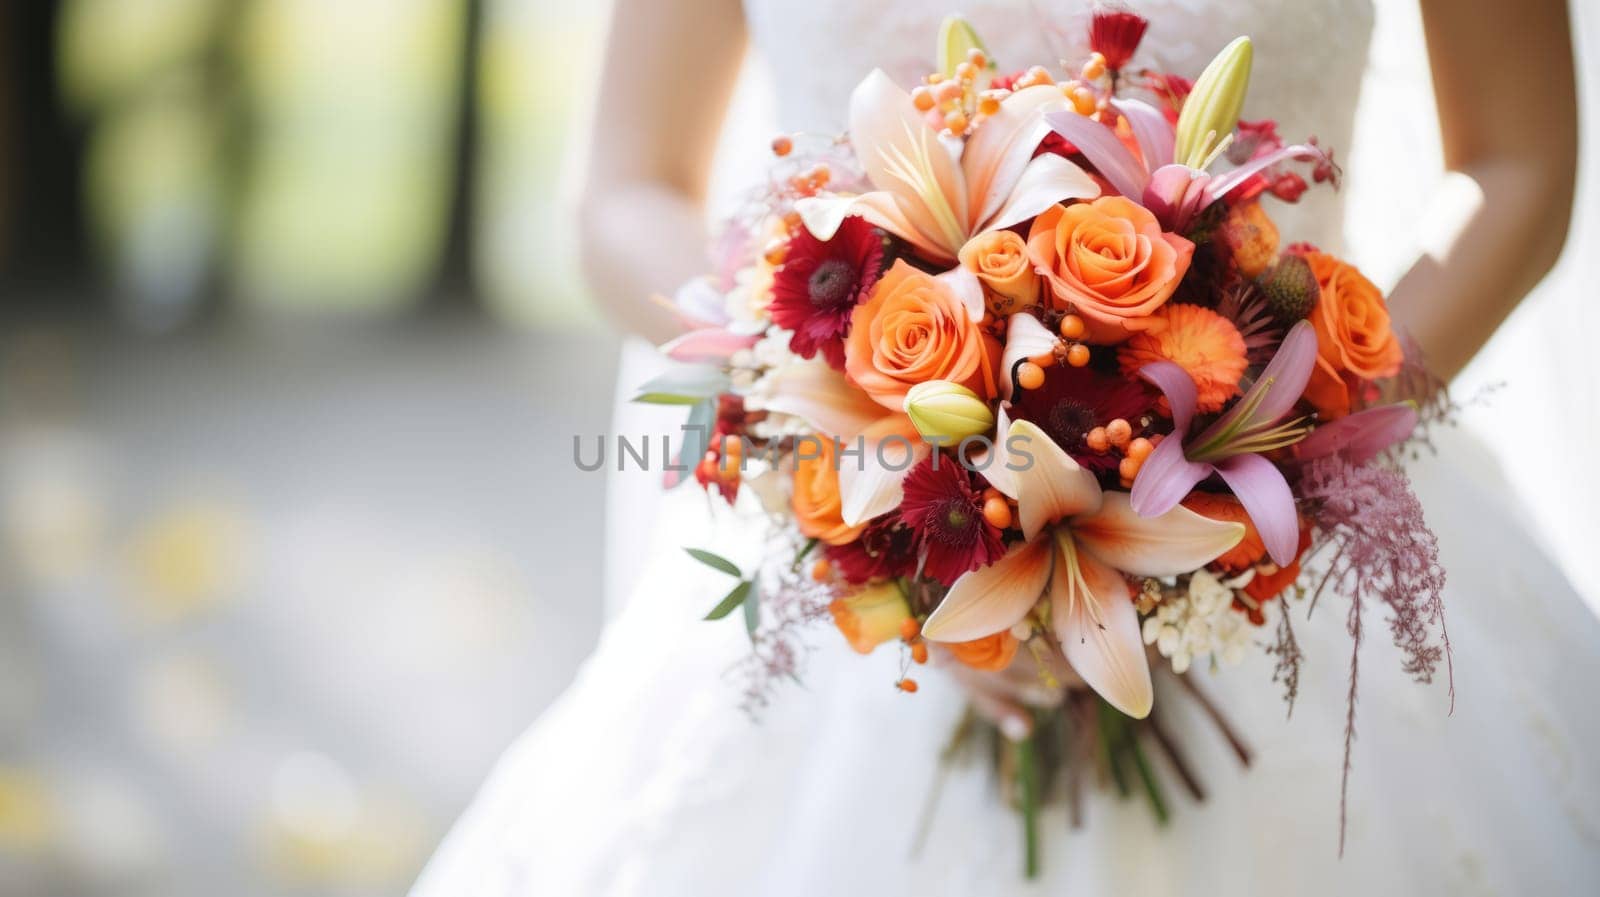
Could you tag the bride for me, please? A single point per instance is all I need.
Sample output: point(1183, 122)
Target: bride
point(645, 778)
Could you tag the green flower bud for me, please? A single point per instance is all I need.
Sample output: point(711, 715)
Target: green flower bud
point(946, 413)
point(1290, 288)
point(956, 40)
point(1209, 114)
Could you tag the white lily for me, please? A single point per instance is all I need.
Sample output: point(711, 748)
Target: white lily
point(1081, 544)
point(935, 199)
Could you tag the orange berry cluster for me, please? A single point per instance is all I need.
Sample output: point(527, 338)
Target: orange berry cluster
point(911, 634)
point(1030, 374)
point(958, 103)
point(807, 182)
point(1090, 92)
point(1118, 436)
point(996, 508)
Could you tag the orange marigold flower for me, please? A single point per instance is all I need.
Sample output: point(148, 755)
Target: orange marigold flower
point(1226, 508)
point(1200, 341)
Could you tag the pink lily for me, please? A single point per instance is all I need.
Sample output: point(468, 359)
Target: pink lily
point(936, 195)
point(1080, 546)
point(1172, 191)
point(1362, 436)
point(710, 335)
point(1231, 446)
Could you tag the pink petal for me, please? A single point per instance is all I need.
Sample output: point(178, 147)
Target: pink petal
point(1103, 150)
point(1050, 485)
point(1152, 131)
point(1175, 195)
point(873, 482)
point(1276, 391)
point(1288, 372)
point(1165, 478)
point(1025, 338)
point(1047, 180)
point(992, 598)
point(708, 344)
point(822, 397)
point(1261, 488)
point(1224, 184)
point(1179, 541)
point(1362, 436)
point(1092, 615)
point(1176, 384)
point(998, 151)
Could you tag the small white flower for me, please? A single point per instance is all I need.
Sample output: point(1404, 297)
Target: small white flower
point(1199, 622)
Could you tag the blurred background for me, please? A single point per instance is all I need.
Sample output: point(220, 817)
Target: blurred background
point(292, 350)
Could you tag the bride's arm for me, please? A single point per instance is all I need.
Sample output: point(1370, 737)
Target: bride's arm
point(1503, 77)
point(669, 71)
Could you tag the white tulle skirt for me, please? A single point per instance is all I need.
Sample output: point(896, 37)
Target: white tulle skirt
point(645, 778)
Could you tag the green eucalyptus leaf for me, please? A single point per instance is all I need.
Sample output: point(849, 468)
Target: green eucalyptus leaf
point(731, 601)
point(684, 385)
point(752, 610)
point(714, 561)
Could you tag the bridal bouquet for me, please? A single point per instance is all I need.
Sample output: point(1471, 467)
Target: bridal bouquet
point(1021, 368)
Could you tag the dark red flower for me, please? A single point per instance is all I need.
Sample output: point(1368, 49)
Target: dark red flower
point(1115, 33)
point(1254, 139)
point(945, 511)
point(1074, 401)
point(820, 283)
point(1172, 90)
point(716, 470)
point(884, 550)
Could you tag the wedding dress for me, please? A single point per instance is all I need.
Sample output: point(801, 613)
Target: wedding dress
point(646, 778)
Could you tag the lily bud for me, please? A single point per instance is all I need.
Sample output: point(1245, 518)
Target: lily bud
point(871, 616)
point(1212, 109)
point(956, 40)
point(946, 412)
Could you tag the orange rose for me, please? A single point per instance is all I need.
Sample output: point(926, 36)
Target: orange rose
point(992, 652)
point(915, 329)
point(1000, 260)
point(1354, 339)
point(816, 502)
point(1109, 262)
point(871, 616)
point(1226, 508)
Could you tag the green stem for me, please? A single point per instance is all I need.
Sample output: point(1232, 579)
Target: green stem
point(801, 555)
point(1111, 740)
point(1028, 792)
point(1148, 777)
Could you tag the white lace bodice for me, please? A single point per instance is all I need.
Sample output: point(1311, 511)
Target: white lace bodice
point(1309, 59)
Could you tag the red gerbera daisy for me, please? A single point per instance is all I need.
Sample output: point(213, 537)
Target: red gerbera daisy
point(820, 283)
point(883, 551)
point(1072, 401)
point(945, 510)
